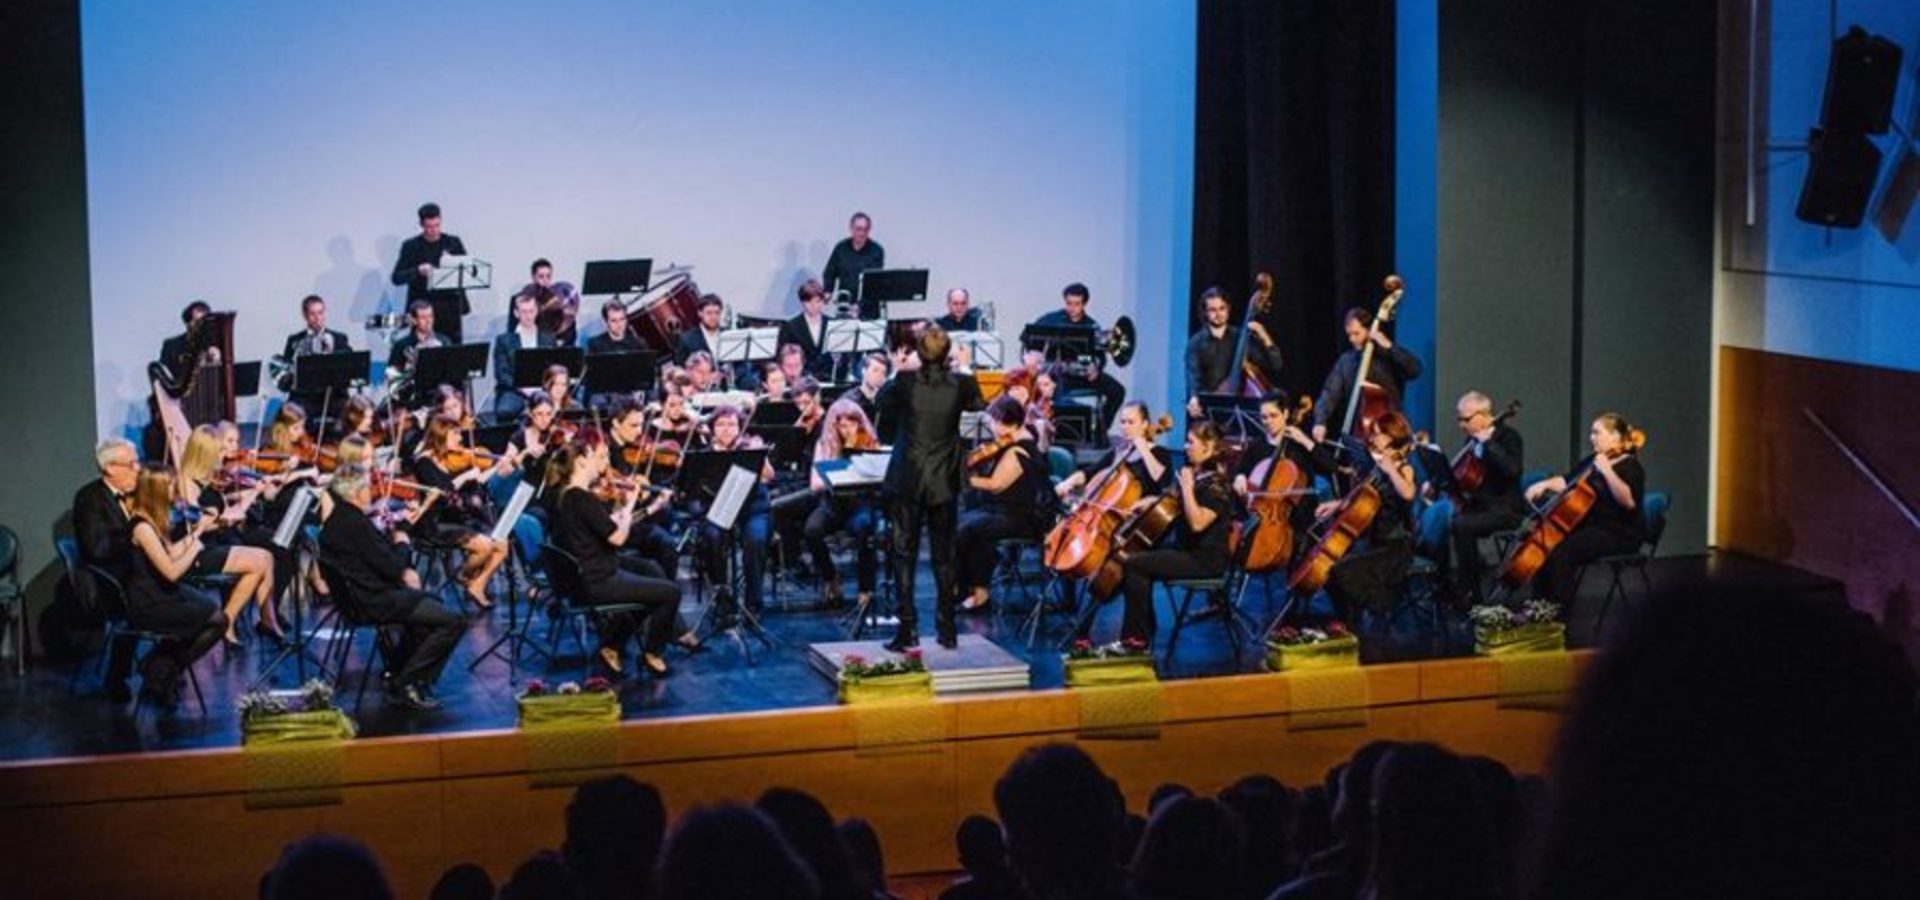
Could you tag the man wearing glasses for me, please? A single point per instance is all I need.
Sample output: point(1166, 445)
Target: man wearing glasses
point(100, 530)
point(1497, 505)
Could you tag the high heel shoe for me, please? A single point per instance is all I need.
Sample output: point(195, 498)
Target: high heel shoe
point(231, 641)
point(480, 599)
point(656, 666)
point(610, 658)
point(690, 642)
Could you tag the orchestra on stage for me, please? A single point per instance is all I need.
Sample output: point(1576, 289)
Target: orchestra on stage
point(678, 451)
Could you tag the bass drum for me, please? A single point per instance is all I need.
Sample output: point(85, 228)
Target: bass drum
point(665, 310)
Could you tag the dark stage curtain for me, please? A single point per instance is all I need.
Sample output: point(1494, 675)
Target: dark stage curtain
point(1293, 157)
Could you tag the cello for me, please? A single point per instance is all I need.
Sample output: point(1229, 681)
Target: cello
point(1276, 484)
point(1369, 401)
point(1143, 530)
point(1079, 544)
point(1469, 469)
point(1557, 519)
point(1342, 529)
point(1245, 379)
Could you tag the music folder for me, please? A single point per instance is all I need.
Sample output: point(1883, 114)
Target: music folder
point(530, 364)
point(613, 277)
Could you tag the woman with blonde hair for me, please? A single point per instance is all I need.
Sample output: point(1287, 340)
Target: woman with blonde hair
point(226, 551)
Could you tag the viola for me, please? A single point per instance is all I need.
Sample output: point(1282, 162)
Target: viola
point(464, 458)
point(1557, 519)
point(984, 456)
point(1079, 545)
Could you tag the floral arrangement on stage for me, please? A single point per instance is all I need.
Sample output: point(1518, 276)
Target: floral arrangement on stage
point(1126, 661)
point(281, 717)
point(1291, 649)
point(861, 680)
point(1533, 627)
point(572, 703)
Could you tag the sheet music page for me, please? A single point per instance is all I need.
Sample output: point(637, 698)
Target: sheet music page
point(296, 514)
point(522, 495)
point(733, 495)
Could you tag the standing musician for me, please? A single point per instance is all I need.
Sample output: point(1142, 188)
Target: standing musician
point(1152, 465)
point(961, 316)
point(846, 429)
point(854, 254)
point(226, 551)
point(156, 599)
point(419, 255)
point(314, 340)
point(1210, 351)
point(375, 572)
point(421, 335)
point(1391, 370)
point(924, 401)
point(808, 332)
point(618, 338)
point(705, 338)
point(752, 525)
point(592, 525)
point(174, 348)
point(1014, 480)
point(1197, 546)
point(1498, 504)
point(630, 455)
point(525, 333)
point(1371, 578)
point(1615, 525)
point(462, 517)
point(1073, 313)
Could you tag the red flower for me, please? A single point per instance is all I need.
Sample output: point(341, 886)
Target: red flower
point(1289, 633)
point(536, 688)
point(855, 660)
point(1083, 644)
point(597, 684)
point(913, 653)
point(1336, 629)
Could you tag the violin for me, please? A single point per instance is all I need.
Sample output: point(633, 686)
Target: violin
point(464, 458)
point(1342, 528)
point(664, 454)
point(983, 457)
point(810, 416)
point(1079, 545)
point(1275, 486)
point(387, 486)
point(1557, 519)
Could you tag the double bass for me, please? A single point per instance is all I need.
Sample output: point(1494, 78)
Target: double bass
point(1245, 379)
point(1557, 519)
point(1369, 401)
point(1080, 543)
point(1276, 484)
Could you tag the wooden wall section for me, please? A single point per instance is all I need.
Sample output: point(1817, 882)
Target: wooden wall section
point(1786, 492)
point(177, 825)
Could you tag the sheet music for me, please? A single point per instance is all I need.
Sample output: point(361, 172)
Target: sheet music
point(296, 515)
point(733, 495)
point(522, 495)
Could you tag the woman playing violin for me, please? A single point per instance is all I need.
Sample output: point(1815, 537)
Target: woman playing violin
point(773, 382)
point(846, 430)
point(633, 454)
point(1197, 546)
point(751, 526)
point(1615, 525)
point(557, 385)
point(592, 530)
point(461, 518)
point(226, 550)
point(156, 599)
point(675, 421)
point(1015, 485)
point(1371, 578)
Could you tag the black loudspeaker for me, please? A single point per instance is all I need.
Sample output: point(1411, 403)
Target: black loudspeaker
point(1861, 77)
point(1841, 170)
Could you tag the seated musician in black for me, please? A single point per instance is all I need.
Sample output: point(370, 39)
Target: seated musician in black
point(1017, 501)
point(230, 547)
point(1210, 350)
point(1073, 314)
point(750, 528)
point(526, 334)
point(1497, 505)
point(464, 514)
point(372, 569)
point(808, 331)
point(961, 316)
point(619, 336)
point(591, 530)
point(846, 430)
point(156, 599)
point(100, 509)
point(1371, 575)
point(1615, 525)
point(1393, 366)
point(1151, 465)
point(1285, 439)
point(628, 448)
point(1197, 546)
point(316, 339)
point(405, 354)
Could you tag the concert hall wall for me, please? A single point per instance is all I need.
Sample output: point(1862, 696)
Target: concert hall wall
point(253, 153)
point(1575, 204)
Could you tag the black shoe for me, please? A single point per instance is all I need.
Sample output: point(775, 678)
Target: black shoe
point(948, 639)
point(417, 698)
point(118, 692)
point(903, 640)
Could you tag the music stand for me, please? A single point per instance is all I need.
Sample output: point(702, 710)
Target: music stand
point(715, 478)
point(621, 373)
point(616, 277)
point(1058, 342)
point(457, 365)
point(985, 347)
point(775, 413)
point(290, 535)
point(742, 345)
point(329, 375)
point(515, 637)
point(882, 286)
point(460, 273)
point(530, 364)
point(702, 472)
point(1237, 416)
point(855, 336)
point(494, 438)
point(246, 379)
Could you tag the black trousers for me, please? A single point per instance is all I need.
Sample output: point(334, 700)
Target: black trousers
point(1370, 579)
point(940, 522)
point(750, 531)
point(979, 530)
point(655, 545)
point(638, 581)
point(428, 634)
point(859, 520)
point(1556, 577)
point(192, 625)
point(1165, 564)
point(449, 308)
point(1468, 527)
point(1112, 396)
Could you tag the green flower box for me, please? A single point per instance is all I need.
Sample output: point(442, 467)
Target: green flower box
point(1108, 671)
point(1537, 637)
point(861, 689)
point(272, 729)
point(569, 710)
point(1335, 653)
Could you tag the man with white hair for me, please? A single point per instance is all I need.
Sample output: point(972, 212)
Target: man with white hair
point(100, 529)
point(961, 316)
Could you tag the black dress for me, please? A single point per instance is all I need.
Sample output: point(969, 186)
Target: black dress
point(1370, 576)
point(188, 618)
point(1608, 529)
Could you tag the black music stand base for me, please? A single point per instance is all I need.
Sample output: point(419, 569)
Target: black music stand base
point(517, 637)
point(725, 614)
point(297, 642)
